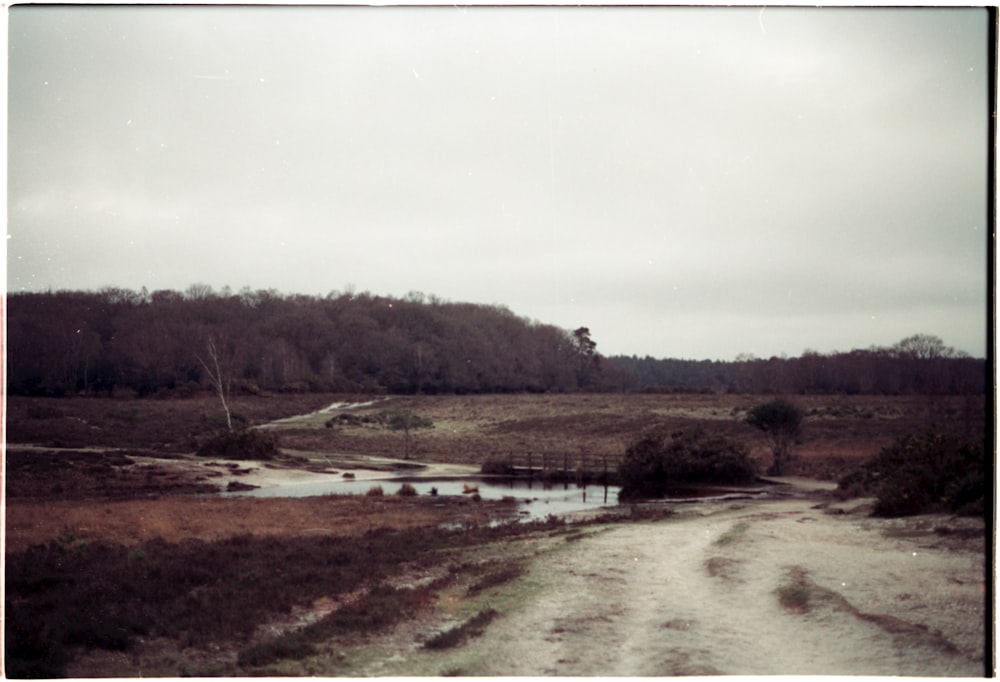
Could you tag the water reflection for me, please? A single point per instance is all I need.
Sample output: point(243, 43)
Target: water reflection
point(536, 499)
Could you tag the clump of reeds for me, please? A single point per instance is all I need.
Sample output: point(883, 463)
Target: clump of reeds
point(406, 490)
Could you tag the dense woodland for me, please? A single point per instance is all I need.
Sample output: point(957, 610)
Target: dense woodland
point(118, 341)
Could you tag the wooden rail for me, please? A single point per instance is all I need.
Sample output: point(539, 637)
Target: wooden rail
point(552, 465)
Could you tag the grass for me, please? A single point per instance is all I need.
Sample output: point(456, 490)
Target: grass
point(721, 567)
point(795, 598)
point(64, 597)
point(497, 419)
point(381, 607)
point(799, 594)
point(507, 573)
point(180, 569)
point(480, 427)
point(176, 518)
point(456, 636)
point(736, 532)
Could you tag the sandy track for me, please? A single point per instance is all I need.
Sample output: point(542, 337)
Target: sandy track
point(665, 599)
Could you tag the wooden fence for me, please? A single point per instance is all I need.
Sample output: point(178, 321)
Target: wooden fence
point(562, 466)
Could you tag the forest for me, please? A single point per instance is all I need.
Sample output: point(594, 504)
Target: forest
point(119, 341)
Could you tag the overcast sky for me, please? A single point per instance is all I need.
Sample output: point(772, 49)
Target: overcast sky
point(686, 182)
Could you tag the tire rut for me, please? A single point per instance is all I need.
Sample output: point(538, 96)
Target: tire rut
point(663, 599)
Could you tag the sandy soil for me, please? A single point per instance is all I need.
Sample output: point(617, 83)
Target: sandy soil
point(885, 597)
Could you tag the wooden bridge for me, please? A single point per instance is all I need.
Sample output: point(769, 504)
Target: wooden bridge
point(555, 466)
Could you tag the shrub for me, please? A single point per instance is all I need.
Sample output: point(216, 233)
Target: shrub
point(923, 473)
point(661, 459)
point(294, 646)
point(218, 422)
point(406, 490)
point(501, 576)
point(294, 387)
point(782, 421)
point(375, 491)
point(399, 419)
point(242, 444)
point(44, 412)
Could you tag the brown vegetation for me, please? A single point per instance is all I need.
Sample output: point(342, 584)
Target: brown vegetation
point(838, 432)
point(82, 499)
point(175, 518)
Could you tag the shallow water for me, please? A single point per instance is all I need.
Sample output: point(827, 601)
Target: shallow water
point(536, 500)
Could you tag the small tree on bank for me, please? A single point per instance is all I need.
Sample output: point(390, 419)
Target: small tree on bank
point(399, 419)
point(782, 421)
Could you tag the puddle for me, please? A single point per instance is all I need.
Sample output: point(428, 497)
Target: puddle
point(536, 499)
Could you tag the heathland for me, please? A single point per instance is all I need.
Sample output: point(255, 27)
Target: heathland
point(123, 558)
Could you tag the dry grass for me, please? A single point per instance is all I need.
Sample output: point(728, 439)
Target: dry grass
point(131, 522)
point(839, 431)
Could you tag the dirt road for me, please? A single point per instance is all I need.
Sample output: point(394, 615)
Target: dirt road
point(699, 594)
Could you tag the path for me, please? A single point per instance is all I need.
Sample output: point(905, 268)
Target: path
point(664, 599)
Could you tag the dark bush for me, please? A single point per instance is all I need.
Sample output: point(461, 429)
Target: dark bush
point(43, 412)
point(293, 645)
point(925, 473)
point(782, 421)
point(406, 490)
point(661, 460)
point(241, 444)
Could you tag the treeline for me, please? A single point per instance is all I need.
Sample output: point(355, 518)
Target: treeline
point(919, 364)
point(70, 342)
point(168, 342)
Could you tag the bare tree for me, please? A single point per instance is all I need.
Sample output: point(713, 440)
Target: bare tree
point(221, 381)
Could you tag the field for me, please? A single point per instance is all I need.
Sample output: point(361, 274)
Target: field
point(110, 489)
point(838, 430)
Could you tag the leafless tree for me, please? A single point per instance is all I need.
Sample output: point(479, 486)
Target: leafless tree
point(221, 381)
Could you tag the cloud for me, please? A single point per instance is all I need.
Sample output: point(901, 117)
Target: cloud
point(609, 167)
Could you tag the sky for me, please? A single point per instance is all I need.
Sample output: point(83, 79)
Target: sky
point(686, 182)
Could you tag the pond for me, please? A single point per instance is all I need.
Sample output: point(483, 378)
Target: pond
point(536, 499)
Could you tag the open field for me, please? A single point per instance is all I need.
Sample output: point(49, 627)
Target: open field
point(119, 564)
point(838, 430)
